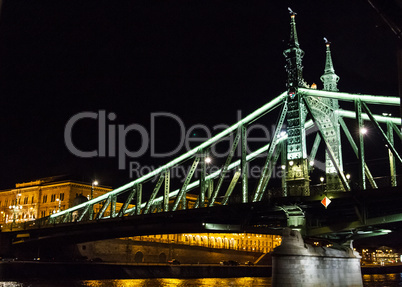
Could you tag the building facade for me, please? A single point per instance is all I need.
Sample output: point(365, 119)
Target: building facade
point(36, 199)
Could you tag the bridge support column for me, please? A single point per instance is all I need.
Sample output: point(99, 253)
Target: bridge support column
point(295, 263)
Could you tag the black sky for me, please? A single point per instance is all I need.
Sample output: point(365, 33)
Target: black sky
point(202, 60)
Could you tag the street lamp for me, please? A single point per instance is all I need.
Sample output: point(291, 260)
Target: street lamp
point(322, 182)
point(94, 183)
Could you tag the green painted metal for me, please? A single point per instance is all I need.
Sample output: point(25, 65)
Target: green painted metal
point(283, 167)
point(154, 193)
point(225, 167)
point(329, 148)
point(269, 173)
point(360, 146)
point(113, 206)
point(183, 190)
point(201, 197)
point(231, 187)
point(369, 99)
point(84, 212)
point(397, 131)
point(392, 166)
point(138, 204)
point(105, 206)
point(268, 162)
point(314, 149)
point(248, 119)
point(244, 165)
point(355, 149)
point(381, 119)
point(126, 203)
point(166, 191)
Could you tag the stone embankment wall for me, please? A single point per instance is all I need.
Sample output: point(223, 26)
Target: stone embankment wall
point(295, 263)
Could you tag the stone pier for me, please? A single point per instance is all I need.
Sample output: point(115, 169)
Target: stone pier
point(295, 263)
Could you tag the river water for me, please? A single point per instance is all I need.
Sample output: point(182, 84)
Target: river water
point(376, 280)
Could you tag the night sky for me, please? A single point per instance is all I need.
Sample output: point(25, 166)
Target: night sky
point(201, 60)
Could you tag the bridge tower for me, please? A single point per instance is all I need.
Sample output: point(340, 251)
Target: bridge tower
point(297, 177)
point(330, 123)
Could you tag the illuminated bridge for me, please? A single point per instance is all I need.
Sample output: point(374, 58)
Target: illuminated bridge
point(262, 187)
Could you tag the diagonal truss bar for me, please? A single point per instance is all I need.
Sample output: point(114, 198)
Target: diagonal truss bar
point(231, 187)
point(271, 149)
point(314, 149)
point(225, 169)
point(84, 212)
point(328, 146)
point(397, 131)
point(154, 193)
point(381, 132)
point(355, 149)
point(183, 190)
point(271, 167)
point(103, 208)
point(126, 203)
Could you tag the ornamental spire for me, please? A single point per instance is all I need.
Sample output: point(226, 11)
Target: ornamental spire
point(293, 55)
point(329, 79)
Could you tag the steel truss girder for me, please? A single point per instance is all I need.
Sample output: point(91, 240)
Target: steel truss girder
point(266, 170)
point(328, 146)
point(355, 149)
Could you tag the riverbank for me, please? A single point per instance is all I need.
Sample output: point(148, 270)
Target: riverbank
point(13, 270)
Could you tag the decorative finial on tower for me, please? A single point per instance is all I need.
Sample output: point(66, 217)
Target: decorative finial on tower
point(294, 55)
point(330, 79)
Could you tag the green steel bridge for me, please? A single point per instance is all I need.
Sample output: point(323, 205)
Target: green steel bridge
point(314, 131)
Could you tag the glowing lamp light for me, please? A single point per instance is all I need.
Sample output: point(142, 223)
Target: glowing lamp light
point(363, 131)
point(291, 163)
point(348, 176)
point(283, 167)
point(322, 179)
point(95, 182)
point(311, 162)
point(208, 159)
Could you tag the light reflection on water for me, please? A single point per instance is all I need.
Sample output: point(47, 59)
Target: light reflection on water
point(157, 282)
point(373, 280)
point(382, 280)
